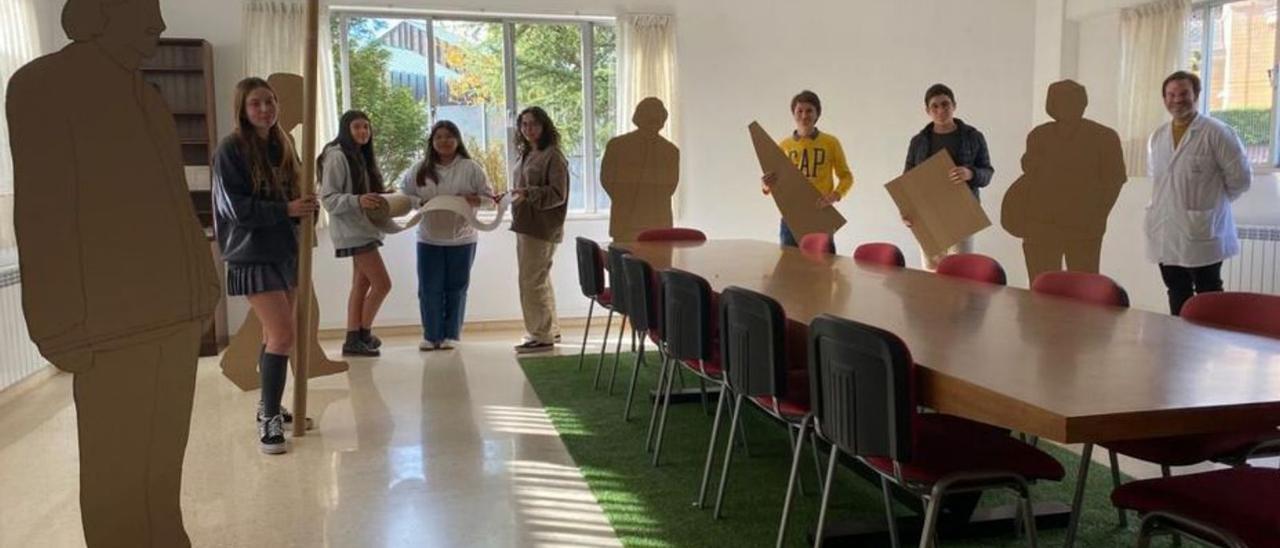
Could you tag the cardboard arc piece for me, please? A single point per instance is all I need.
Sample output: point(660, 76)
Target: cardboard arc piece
point(796, 199)
point(239, 362)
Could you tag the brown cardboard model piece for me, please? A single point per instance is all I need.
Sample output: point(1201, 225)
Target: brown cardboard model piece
point(640, 171)
point(117, 278)
point(1071, 176)
point(796, 198)
point(942, 212)
point(240, 361)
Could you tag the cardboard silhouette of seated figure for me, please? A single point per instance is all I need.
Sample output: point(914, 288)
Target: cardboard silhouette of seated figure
point(1072, 173)
point(640, 171)
point(117, 279)
point(240, 361)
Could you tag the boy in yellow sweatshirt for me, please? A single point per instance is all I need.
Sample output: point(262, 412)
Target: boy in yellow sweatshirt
point(817, 155)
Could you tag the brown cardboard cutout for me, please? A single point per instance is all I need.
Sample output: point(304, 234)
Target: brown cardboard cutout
point(942, 212)
point(117, 278)
point(797, 199)
point(640, 171)
point(240, 361)
point(1072, 172)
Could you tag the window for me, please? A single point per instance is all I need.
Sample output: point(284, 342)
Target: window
point(409, 70)
point(1232, 47)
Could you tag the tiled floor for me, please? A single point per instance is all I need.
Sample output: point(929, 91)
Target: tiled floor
point(419, 449)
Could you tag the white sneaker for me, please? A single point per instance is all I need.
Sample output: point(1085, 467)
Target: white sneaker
point(427, 346)
point(448, 344)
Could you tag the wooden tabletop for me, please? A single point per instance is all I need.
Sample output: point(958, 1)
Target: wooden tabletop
point(1044, 365)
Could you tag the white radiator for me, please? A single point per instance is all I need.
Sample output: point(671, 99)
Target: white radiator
point(18, 356)
point(1255, 268)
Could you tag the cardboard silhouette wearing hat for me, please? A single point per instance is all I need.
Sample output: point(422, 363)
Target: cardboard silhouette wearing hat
point(117, 278)
point(1072, 173)
point(240, 361)
point(640, 171)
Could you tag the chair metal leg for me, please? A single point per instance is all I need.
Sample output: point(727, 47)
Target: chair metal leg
point(617, 355)
point(662, 420)
point(1077, 500)
point(582, 356)
point(791, 442)
point(711, 448)
point(817, 463)
point(702, 391)
point(1029, 517)
point(886, 489)
point(657, 400)
point(742, 438)
point(1115, 484)
point(635, 373)
point(927, 539)
point(791, 481)
point(604, 349)
point(728, 456)
point(826, 496)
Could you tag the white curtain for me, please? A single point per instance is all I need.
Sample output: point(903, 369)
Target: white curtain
point(1151, 43)
point(19, 44)
point(647, 67)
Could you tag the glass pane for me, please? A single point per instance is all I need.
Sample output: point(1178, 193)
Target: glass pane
point(549, 75)
point(471, 91)
point(1240, 94)
point(605, 86)
point(388, 66)
point(1193, 55)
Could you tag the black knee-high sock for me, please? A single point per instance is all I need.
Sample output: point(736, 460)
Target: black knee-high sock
point(274, 367)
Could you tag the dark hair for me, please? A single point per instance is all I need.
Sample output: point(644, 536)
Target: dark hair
point(807, 96)
point(427, 170)
point(936, 90)
point(257, 150)
point(361, 160)
point(550, 135)
point(1182, 75)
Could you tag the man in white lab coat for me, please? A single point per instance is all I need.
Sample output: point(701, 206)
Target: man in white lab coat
point(1198, 167)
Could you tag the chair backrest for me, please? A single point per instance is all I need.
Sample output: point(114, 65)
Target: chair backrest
point(671, 235)
point(883, 253)
point(590, 267)
point(861, 388)
point(642, 293)
point(618, 278)
point(972, 266)
point(688, 317)
point(1082, 286)
point(1255, 313)
point(816, 241)
point(753, 342)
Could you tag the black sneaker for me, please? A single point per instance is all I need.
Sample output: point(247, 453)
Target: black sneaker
point(370, 340)
point(271, 435)
point(529, 347)
point(358, 347)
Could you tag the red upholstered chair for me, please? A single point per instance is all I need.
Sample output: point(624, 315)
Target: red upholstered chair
point(645, 311)
point(972, 266)
point(1234, 508)
point(592, 281)
point(671, 235)
point(863, 400)
point(817, 242)
point(1081, 286)
point(691, 340)
point(883, 253)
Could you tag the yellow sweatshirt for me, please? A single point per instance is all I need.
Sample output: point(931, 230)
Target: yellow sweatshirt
point(821, 160)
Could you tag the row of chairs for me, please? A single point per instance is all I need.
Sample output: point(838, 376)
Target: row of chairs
point(827, 381)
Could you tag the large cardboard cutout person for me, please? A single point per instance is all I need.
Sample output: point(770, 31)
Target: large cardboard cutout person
point(640, 171)
point(117, 278)
point(1072, 173)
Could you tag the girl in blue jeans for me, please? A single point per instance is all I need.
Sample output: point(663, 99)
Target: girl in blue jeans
point(446, 242)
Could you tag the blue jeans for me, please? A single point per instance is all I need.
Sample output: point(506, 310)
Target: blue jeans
point(444, 272)
point(788, 239)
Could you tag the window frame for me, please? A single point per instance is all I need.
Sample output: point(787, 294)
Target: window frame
point(586, 26)
point(1205, 9)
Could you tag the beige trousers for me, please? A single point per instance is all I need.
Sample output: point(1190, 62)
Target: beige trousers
point(537, 297)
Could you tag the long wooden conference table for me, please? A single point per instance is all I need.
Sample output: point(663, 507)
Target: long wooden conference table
point(1043, 365)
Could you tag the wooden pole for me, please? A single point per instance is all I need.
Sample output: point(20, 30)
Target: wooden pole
point(302, 340)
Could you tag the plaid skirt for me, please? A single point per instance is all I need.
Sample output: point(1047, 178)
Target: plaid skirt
point(353, 251)
point(252, 278)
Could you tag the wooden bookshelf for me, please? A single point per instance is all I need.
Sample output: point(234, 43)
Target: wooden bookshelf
point(182, 69)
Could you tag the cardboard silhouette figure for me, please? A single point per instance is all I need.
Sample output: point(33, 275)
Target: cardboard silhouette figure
point(117, 278)
point(1072, 172)
point(240, 361)
point(640, 171)
point(796, 199)
point(943, 213)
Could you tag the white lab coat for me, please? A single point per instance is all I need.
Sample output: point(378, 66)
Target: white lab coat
point(1188, 222)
